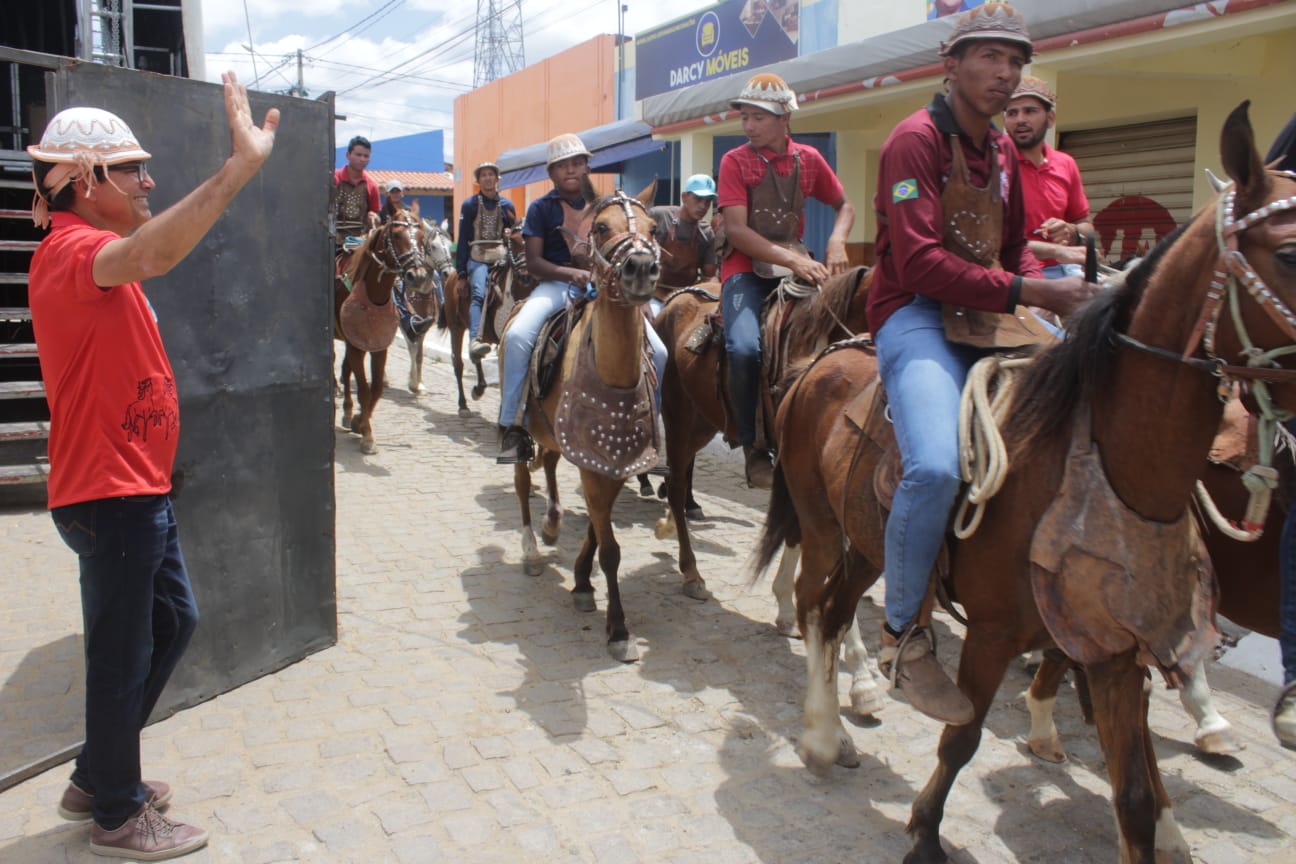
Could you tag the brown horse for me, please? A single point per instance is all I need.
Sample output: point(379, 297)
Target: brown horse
point(692, 410)
point(365, 315)
point(1248, 579)
point(1118, 416)
point(606, 351)
point(458, 294)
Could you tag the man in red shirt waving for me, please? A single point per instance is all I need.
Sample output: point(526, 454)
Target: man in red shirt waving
point(762, 192)
point(114, 425)
point(950, 231)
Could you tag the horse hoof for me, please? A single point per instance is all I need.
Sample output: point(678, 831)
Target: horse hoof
point(625, 651)
point(787, 627)
point(664, 529)
point(533, 566)
point(1048, 749)
point(477, 392)
point(416, 389)
point(866, 701)
point(465, 412)
point(550, 538)
point(846, 755)
point(694, 513)
point(696, 589)
point(584, 601)
point(1218, 743)
point(816, 763)
point(368, 447)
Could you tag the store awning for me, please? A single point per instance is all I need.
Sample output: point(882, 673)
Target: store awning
point(872, 60)
point(613, 144)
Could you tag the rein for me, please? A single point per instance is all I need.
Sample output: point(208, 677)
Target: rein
point(614, 252)
point(1232, 273)
point(404, 263)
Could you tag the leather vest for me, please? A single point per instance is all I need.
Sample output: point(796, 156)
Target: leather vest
point(572, 219)
point(681, 259)
point(973, 215)
point(488, 232)
point(774, 210)
point(352, 203)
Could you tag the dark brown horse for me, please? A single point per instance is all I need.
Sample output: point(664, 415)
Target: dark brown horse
point(692, 410)
point(603, 364)
point(1248, 579)
point(1118, 416)
point(365, 315)
point(458, 295)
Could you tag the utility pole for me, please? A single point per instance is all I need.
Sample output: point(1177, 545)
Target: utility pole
point(499, 49)
point(300, 89)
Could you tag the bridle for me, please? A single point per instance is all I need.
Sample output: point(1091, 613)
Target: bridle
point(612, 254)
point(1232, 273)
point(401, 263)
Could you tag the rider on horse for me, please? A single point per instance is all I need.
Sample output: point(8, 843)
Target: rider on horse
point(482, 220)
point(550, 232)
point(355, 202)
point(950, 231)
point(687, 242)
point(763, 187)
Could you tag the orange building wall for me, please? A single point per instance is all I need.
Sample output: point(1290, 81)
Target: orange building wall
point(569, 92)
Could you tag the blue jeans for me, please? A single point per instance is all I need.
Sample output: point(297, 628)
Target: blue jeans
point(139, 614)
point(477, 273)
point(520, 338)
point(923, 374)
point(1287, 590)
point(740, 301)
point(1059, 271)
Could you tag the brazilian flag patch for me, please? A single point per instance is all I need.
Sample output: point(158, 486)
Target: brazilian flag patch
point(905, 190)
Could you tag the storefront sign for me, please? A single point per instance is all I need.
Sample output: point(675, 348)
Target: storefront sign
point(728, 38)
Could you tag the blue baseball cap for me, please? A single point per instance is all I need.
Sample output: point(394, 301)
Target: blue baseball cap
point(700, 185)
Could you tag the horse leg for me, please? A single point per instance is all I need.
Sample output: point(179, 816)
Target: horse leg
point(552, 526)
point(600, 496)
point(355, 371)
point(1145, 824)
point(369, 400)
point(456, 360)
point(865, 692)
point(680, 451)
point(415, 348)
point(785, 622)
point(1043, 739)
point(982, 664)
point(532, 565)
point(583, 591)
point(480, 387)
point(1214, 733)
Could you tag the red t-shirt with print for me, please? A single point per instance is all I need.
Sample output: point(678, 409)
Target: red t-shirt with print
point(114, 414)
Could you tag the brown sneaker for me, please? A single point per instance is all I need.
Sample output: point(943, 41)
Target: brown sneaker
point(910, 663)
point(1284, 717)
point(77, 805)
point(760, 468)
point(147, 836)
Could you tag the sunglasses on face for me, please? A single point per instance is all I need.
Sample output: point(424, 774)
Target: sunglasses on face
point(139, 169)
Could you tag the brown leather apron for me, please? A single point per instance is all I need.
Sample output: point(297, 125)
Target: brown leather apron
point(973, 230)
point(680, 259)
point(774, 212)
point(352, 205)
point(488, 233)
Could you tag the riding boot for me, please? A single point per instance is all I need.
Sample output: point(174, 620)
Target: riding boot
point(909, 662)
point(1284, 717)
point(478, 349)
point(515, 446)
point(760, 467)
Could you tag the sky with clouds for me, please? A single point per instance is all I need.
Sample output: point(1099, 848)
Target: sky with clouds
point(395, 65)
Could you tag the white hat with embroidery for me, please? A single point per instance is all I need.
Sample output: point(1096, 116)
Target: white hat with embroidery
point(565, 146)
point(769, 92)
point(76, 141)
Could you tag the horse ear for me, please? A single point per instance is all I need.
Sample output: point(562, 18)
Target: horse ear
point(1242, 161)
point(587, 190)
point(648, 195)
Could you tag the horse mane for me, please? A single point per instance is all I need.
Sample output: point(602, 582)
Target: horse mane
point(1053, 385)
point(809, 321)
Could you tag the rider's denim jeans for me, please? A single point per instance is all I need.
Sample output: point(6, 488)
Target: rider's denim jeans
point(139, 614)
point(1287, 591)
point(520, 338)
point(923, 374)
point(1061, 271)
point(477, 273)
point(741, 299)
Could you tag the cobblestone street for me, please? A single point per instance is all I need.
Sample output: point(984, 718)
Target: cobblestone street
point(469, 714)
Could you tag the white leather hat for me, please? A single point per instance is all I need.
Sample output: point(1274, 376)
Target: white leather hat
point(88, 133)
point(565, 146)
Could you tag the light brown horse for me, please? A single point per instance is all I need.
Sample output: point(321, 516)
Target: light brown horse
point(692, 410)
point(1116, 412)
point(606, 349)
point(391, 251)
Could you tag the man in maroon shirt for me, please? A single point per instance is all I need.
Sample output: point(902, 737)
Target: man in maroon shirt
point(950, 231)
point(356, 200)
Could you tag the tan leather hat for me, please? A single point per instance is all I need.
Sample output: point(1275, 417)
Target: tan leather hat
point(1037, 87)
point(565, 146)
point(998, 21)
point(767, 91)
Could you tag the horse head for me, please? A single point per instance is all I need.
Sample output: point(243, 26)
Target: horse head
point(436, 247)
point(398, 248)
point(626, 256)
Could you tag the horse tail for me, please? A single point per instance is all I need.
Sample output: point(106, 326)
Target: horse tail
point(782, 528)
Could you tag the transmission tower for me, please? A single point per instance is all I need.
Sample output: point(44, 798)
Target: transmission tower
point(499, 48)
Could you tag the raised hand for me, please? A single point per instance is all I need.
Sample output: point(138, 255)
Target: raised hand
point(250, 144)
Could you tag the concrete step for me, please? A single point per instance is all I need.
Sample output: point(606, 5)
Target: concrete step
point(15, 313)
point(29, 431)
point(18, 349)
point(13, 475)
point(13, 278)
point(22, 390)
point(19, 245)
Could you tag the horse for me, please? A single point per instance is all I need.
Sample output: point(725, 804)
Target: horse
point(603, 378)
point(508, 283)
point(692, 410)
point(365, 316)
point(420, 307)
point(1248, 578)
point(1117, 418)
point(454, 316)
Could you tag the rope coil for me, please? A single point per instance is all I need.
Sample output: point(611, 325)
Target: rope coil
point(983, 458)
